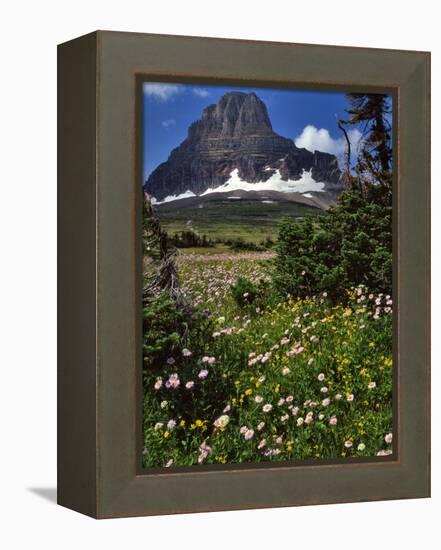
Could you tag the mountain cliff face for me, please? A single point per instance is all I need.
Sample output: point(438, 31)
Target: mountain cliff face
point(236, 135)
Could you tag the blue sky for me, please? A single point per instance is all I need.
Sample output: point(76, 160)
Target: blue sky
point(307, 117)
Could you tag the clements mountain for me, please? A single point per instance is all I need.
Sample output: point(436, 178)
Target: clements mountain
point(234, 148)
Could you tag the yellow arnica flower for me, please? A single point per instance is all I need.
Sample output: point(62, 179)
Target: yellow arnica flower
point(249, 391)
point(166, 434)
point(199, 423)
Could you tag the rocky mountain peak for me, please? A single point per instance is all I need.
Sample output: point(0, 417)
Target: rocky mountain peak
point(236, 134)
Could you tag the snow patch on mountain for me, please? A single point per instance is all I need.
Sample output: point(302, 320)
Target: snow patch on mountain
point(304, 184)
point(172, 198)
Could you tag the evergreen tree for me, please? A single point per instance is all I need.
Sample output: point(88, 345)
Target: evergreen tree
point(352, 244)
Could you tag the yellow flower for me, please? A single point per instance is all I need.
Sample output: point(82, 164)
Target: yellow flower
point(166, 434)
point(248, 391)
point(182, 423)
point(199, 423)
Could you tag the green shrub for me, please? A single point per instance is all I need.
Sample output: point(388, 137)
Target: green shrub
point(246, 293)
point(350, 246)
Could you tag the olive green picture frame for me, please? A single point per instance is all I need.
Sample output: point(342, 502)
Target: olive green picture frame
point(99, 273)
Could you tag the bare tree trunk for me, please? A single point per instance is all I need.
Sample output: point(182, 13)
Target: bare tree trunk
point(162, 275)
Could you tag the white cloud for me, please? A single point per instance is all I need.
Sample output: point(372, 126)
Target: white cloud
point(315, 139)
point(161, 92)
point(169, 122)
point(200, 92)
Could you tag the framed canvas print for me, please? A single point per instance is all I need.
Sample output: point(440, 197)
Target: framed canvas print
point(244, 274)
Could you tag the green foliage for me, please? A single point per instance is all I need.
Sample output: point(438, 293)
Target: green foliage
point(351, 246)
point(190, 239)
point(247, 293)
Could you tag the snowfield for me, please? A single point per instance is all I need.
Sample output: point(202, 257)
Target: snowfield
point(304, 185)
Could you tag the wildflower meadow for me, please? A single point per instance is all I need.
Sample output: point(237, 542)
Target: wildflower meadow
point(255, 377)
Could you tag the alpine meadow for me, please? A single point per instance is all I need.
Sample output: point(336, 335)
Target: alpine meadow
point(267, 275)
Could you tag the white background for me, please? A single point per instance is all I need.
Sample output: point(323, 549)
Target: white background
point(29, 33)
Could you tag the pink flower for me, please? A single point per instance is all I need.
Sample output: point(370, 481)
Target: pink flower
point(186, 352)
point(388, 438)
point(333, 420)
point(267, 408)
point(326, 402)
point(348, 444)
point(249, 434)
point(314, 339)
point(350, 397)
point(321, 377)
point(158, 383)
point(173, 381)
point(262, 443)
point(260, 426)
point(171, 424)
point(203, 374)
point(384, 453)
point(243, 430)
point(189, 385)
point(258, 399)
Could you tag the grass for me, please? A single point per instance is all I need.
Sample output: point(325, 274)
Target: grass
point(272, 379)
